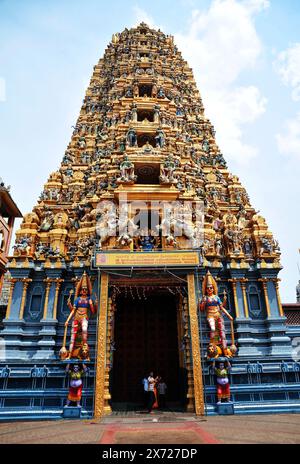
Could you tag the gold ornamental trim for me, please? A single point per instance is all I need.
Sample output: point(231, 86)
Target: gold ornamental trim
point(101, 348)
point(197, 366)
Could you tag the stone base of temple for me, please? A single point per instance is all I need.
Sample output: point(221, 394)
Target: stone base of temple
point(38, 391)
point(71, 412)
point(225, 409)
point(147, 319)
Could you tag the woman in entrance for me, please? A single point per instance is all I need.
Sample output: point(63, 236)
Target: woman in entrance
point(152, 392)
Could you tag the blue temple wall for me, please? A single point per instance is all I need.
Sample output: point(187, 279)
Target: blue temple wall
point(34, 384)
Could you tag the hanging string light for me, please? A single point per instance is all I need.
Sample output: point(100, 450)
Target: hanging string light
point(144, 293)
point(131, 293)
point(138, 294)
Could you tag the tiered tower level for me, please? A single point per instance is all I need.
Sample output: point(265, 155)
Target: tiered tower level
point(142, 135)
point(143, 103)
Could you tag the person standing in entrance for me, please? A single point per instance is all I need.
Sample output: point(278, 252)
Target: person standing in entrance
point(151, 394)
point(145, 392)
point(162, 390)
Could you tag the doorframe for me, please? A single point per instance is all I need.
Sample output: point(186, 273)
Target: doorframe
point(102, 394)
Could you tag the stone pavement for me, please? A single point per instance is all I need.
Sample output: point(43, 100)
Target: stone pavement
point(159, 428)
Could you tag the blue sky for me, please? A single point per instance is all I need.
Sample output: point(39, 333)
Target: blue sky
point(246, 58)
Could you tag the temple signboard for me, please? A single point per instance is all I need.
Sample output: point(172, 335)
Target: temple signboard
point(146, 259)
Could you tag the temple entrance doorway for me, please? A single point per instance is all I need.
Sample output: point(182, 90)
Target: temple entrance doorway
point(146, 339)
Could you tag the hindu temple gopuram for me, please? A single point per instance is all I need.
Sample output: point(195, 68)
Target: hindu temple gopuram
point(143, 253)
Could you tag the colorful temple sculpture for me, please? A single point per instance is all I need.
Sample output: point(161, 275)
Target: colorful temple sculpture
point(108, 267)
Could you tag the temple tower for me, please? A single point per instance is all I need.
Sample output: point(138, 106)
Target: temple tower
point(144, 177)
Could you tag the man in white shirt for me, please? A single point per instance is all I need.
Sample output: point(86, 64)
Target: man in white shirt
point(151, 395)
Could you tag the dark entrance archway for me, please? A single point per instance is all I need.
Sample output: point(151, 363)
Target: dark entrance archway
point(146, 338)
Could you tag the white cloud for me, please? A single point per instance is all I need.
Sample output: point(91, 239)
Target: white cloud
point(232, 110)
point(287, 65)
point(141, 16)
point(222, 43)
point(256, 6)
point(289, 141)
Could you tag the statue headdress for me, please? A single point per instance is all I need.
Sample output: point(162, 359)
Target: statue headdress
point(209, 280)
point(84, 282)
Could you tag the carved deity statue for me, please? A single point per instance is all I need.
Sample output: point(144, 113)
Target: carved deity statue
point(213, 307)
point(127, 171)
point(222, 378)
point(131, 138)
point(167, 171)
point(160, 139)
point(83, 303)
point(76, 372)
point(47, 222)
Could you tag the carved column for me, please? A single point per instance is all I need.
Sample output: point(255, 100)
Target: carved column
point(58, 283)
point(194, 327)
point(236, 305)
point(11, 291)
point(26, 282)
point(190, 381)
point(245, 301)
point(101, 348)
point(180, 331)
point(276, 283)
point(48, 283)
point(264, 282)
point(107, 395)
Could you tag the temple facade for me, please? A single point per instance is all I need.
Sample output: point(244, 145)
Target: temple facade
point(143, 202)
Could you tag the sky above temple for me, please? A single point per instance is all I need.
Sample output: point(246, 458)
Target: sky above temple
point(246, 59)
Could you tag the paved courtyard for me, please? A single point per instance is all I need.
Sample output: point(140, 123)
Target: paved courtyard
point(159, 428)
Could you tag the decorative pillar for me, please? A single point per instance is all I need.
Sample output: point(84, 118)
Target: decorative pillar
point(58, 283)
point(279, 342)
point(276, 283)
point(49, 324)
point(194, 327)
point(190, 381)
point(264, 282)
point(101, 348)
point(48, 283)
point(14, 321)
point(247, 344)
point(243, 283)
point(107, 396)
point(11, 291)
point(180, 331)
point(26, 282)
point(236, 304)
